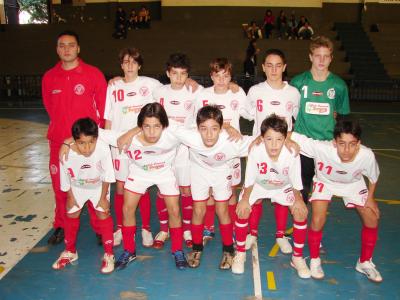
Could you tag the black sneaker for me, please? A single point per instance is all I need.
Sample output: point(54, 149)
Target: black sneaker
point(125, 258)
point(57, 237)
point(180, 260)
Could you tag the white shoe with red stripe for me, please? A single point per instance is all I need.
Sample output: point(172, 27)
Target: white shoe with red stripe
point(107, 264)
point(66, 257)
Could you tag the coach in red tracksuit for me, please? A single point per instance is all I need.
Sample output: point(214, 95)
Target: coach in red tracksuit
point(71, 90)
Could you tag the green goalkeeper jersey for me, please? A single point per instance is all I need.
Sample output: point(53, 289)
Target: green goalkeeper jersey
point(318, 103)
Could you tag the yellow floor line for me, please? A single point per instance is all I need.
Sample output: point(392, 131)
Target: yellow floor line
point(271, 281)
point(275, 248)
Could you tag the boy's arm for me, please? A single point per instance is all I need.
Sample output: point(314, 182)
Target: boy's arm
point(234, 135)
point(307, 145)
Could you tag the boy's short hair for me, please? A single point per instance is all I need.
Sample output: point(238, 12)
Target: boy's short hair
point(209, 112)
point(349, 126)
point(70, 33)
point(178, 60)
point(131, 52)
point(220, 64)
point(275, 123)
point(151, 110)
point(321, 41)
point(275, 52)
point(85, 126)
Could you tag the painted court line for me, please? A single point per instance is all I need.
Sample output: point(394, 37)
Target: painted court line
point(275, 248)
point(375, 113)
point(271, 281)
point(256, 271)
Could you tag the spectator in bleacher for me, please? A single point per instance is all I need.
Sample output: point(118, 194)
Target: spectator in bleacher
point(282, 25)
point(250, 64)
point(144, 17)
point(133, 21)
point(306, 32)
point(292, 27)
point(254, 32)
point(269, 21)
point(120, 17)
point(301, 22)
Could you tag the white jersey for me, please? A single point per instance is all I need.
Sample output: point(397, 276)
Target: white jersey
point(232, 105)
point(85, 175)
point(263, 101)
point(179, 104)
point(330, 169)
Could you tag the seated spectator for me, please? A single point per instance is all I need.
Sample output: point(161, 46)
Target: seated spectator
point(120, 18)
point(301, 22)
point(120, 32)
point(306, 32)
point(144, 17)
point(133, 21)
point(282, 25)
point(292, 27)
point(253, 31)
point(250, 64)
point(269, 21)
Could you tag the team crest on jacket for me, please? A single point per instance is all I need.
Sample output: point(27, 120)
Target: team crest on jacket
point(187, 105)
point(219, 156)
point(53, 169)
point(285, 171)
point(144, 91)
point(331, 93)
point(234, 104)
point(289, 106)
point(79, 89)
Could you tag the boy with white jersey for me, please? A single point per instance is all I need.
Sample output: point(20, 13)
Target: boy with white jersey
point(86, 176)
point(125, 98)
point(233, 106)
point(340, 167)
point(178, 102)
point(273, 96)
point(272, 171)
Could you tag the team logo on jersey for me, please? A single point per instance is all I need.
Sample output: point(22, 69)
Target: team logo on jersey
point(79, 89)
point(331, 93)
point(144, 91)
point(175, 102)
point(53, 169)
point(130, 179)
point(236, 165)
point(315, 108)
point(187, 105)
point(285, 171)
point(272, 170)
point(236, 173)
point(288, 190)
point(341, 172)
point(229, 177)
point(275, 103)
point(219, 156)
point(317, 94)
point(357, 173)
point(149, 152)
point(131, 94)
point(221, 107)
point(290, 198)
point(85, 167)
point(98, 166)
point(362, 192)
point(234, 104)
point(56, 92)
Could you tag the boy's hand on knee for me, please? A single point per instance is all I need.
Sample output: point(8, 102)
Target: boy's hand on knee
point(299, 210)
point(71, 202)
point(243, 209)
point(104, 204)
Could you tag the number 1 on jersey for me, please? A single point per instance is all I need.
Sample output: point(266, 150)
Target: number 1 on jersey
point(305, 91)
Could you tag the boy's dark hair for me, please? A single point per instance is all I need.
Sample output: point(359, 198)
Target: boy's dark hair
point(155, 110)
point(347, 125)
point(178, 60)
point(70, 33)
point(85, 126)
point(275, 123)
point(209, 112)
point(131, 52)
point(275, 52)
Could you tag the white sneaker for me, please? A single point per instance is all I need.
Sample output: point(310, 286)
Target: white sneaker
point(316, 268)
point(368, 268)
point(117, 237)
point(284, 245)
point(238, 262)
point(299, 263)
point(160, 239)
point(187, 236)
point(147, 238)
point(250, 241)
point(107, 264)
point(66, 257)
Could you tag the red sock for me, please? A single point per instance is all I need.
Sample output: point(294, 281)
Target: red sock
point(71, 228)
point(176, 238)
point(197, 234)
point(368, 241)
point(187, 209)
point(106, 227)
point(314, 241)
point(128, 237)
point(299, 237)
point(226, 234)
point(118, 204)
point(281, 215)
point(241, 226)
point(255, 217)
point(145, 206)
point(209, 218)
point(232, 213)
point(93, 217)
point(162, 213)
